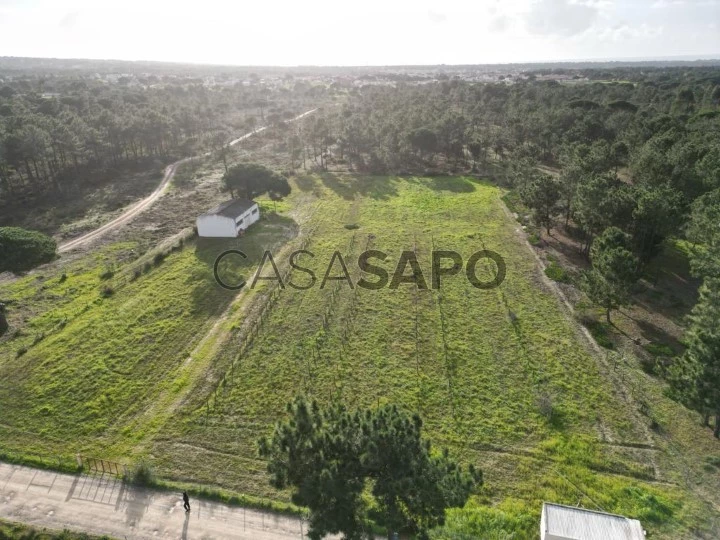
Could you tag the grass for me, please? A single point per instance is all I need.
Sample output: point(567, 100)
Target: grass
point(160, 371)
point(557, 273)
point(17, 531)
point(105, 360)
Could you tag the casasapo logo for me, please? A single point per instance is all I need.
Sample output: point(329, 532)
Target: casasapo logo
point(376, 270)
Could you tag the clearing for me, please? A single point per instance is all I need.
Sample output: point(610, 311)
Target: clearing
point(504, 377)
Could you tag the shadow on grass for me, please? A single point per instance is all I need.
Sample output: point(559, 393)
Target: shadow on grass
point(307, 182)
point(268, 235)
point(656, 335)
point(452, 184)
point(348, 186)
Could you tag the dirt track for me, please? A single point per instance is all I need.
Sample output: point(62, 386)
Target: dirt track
point(103, 505)
point(148, 201)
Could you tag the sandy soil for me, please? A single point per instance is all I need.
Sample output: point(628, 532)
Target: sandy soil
point(103, 505)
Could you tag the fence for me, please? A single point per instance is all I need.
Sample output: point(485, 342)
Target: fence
point(103, 466)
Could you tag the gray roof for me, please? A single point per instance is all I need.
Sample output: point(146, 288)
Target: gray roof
point(581, 524)
point(232, 208)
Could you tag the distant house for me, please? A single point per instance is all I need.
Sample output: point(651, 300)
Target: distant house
point(228, 219)
point(559, 522)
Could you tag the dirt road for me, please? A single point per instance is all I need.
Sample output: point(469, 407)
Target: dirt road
point(148, 201)
point(103, 505)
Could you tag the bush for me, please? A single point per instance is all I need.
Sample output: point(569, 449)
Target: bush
point(142, 475)
point(557, 273)
point(4, 325)
point(22, 250)
point(600, 332)
point(659, 349)
point(107, 291)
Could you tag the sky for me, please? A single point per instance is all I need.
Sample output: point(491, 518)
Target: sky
point(360, 32)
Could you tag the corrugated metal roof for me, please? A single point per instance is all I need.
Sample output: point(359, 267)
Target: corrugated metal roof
point(581, 524)
point(232, 208)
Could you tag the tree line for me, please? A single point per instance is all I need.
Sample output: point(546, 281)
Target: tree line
point(88, 130)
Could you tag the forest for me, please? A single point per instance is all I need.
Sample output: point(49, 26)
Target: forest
point(64, 134)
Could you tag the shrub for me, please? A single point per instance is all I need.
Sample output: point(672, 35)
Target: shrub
point(659, 349)
point(557, 273)
point(22, 250)
point(142, 475)
point(4, 325)
point(107, 291)
point(107, 274)
point(534, 239)
point(600, 332)
point(352, 226)
point(158, 259)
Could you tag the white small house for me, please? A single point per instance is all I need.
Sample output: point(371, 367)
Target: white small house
point(229, 219)
point(560, 522)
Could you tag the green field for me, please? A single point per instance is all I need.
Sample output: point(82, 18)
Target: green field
point(162, 368)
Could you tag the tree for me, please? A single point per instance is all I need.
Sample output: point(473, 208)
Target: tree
point(614, 270)
point(602, 201)
point(657, 214)
point(250, 180)
point(22, 250)
point(695, 377)
point(330, 456)
point(704, 230)
point(412, 486)
point(541, 194)
point(425, 140)
point(317, 453)
point(219, 144)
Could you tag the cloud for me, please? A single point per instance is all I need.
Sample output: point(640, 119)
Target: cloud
point(623, 32)
point(69, 20)
point(499, 24)
point(560, 17)
point(437, 17)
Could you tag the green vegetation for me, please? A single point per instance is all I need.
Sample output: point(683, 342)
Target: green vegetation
point(614, 271)
point(16, 531)
point(696, 376)
point(250, 180)
point(557, 273)
point(22, 250)
point(173, 371)
point(100, 370)
point(331, 456)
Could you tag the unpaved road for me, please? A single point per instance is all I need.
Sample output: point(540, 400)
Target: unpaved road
point(103, 505)
point(148, 201)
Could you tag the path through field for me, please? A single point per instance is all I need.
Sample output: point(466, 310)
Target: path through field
point(103, 505)
point(148, 201)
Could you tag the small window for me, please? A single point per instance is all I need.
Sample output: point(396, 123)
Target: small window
point(255, 211)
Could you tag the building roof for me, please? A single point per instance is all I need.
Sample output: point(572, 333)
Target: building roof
point(581, 524)
point(232, 208)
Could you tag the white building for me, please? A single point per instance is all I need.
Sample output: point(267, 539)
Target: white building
point(559, 522)
point(228, 219)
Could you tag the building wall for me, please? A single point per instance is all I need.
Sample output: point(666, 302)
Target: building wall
point(249, 217)
point(216, 227)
